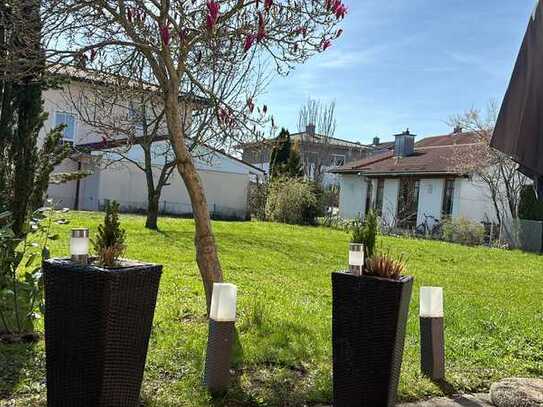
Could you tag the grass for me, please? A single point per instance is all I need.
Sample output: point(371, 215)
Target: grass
point(494, 318)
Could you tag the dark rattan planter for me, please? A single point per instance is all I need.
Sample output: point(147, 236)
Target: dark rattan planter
point(368, 327)
point(97, 327)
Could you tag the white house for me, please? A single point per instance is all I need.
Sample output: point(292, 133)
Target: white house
point(225, 178)
point(414, 183)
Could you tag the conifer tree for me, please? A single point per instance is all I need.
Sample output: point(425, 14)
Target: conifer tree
point(280, 154)
point(25, 167)
point(109, 243)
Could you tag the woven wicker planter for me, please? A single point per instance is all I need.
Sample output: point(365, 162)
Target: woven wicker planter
point(97, 327)
point(368, 328)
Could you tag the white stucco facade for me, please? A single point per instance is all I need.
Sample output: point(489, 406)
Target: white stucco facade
point(471, 199)
point(352, 195)
point(225, 178)
point(430, 200)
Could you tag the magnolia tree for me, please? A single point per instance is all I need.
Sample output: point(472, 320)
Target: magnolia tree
point(213, 49)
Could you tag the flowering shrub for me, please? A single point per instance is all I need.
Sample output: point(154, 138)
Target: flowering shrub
point(292, 200)
point(463, 231)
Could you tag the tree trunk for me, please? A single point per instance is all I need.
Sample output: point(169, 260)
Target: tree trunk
point(153, 197)
point(206, 249)
point(152, 211)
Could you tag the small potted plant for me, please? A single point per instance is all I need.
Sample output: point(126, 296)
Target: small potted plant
point(98, 320)
point(369, 315)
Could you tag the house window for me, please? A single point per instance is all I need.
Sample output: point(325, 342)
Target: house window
point(379, 196)
point(408, 203)
point(369, 193)
point(448, 195)
point(338, 160)
point(68, 120)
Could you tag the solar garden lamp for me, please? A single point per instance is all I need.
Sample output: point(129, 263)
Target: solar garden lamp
point(432, 338)
point(79, 245)
point(222, 319)
point(356, 258)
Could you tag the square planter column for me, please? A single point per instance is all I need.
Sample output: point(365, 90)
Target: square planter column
point(369, 316)
point(97, 327)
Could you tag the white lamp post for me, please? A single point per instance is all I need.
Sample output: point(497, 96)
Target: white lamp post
point(223, 302)
point(356, 259)
point(432, 336)
point(79, 245)
point(222, 319)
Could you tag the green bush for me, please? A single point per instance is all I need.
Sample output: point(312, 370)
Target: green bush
point(530, 207)
point(258, 195)
point(463, 231)
point(293, 201)
point(110, 239)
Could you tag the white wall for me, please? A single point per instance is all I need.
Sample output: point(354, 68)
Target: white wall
point(390, 201)
point(226, 193)
point(352, 196)
point(63, 195)
point(430, 199)
point(473, 201)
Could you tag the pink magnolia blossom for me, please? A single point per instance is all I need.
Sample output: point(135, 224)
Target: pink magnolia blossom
point(265, 109)
point(339, 9)
point(249, 41)
point(326, 44)
point(250, 105)
point(339, 33)
point(129, 15)
point(301, 31)
point(213, 9)
point(93, 53)
point(165, 34)
point(268, 4)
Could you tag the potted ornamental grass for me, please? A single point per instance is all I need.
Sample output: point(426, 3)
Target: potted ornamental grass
point(98, 319)
point(369, 316)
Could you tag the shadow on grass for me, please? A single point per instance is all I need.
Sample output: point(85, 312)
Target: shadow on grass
point(16, 361)
point(447, 388)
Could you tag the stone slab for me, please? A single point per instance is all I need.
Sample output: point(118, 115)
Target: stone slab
point(519, 392)
point(476, 400)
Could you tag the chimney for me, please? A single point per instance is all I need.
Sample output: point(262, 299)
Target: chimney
point(458, 130)
point(376, 141)
point(310, 129)
point(404, 144)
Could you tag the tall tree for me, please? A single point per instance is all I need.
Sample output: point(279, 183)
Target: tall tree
point(491, 167)
point(25, 166)
point(128, 117)
point(209, 47)
point(280, 154)
point(314, 151)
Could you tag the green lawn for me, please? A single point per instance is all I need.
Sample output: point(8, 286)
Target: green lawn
point(494, 314)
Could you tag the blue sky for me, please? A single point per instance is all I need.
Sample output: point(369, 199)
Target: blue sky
point(408, 63)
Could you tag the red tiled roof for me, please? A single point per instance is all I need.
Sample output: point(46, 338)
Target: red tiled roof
point(433, 155)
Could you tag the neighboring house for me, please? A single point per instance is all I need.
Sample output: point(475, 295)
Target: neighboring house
point(319, 154)
point(415, 182)
point(225, 178)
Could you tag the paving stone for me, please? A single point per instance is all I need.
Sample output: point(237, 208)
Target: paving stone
point(477, 400)
point(517, 393)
